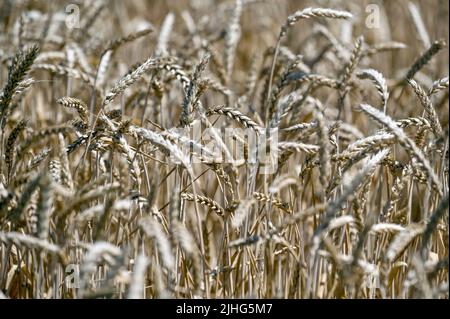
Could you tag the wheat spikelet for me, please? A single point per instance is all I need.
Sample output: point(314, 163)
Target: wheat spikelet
point(189, 102)
point(21, 65)
point(389, 228)
point(150, 179)
point(340, 221)
point(383, 47)
point(293, 19)
point(41, 156)
point(213, 205)
point(94, 211)
point(5, 197)
point(431, 225)
point(66, 175)
point(316, 80)
point(23, 201)
point(115, 44)
point(185, 142)
point(130, 156)
point(29, 242)
point(96, 253)
point(378, 140)
point(273, 200)
point(36, 136)
point(299, 147)
point(102, 68)
point(278, 87)
point(313, 13)
point(20, 90)
point(242, 210)
point(129, 79)
point(438, 85)
point(342, 51)
point(164, 34)
point(352, 62)
point(428, 106)
point(76, 104)
point(177, 71)
point(10, 143)
point(403, 240)
point(421, 122)
point(232, 37)
point(379, 82)
point(77, 201)
point(186, 241)
point(154, 230)
point(138, 280)
point(65, 71)
point(43, 207)
point(406, 142)
point(283, 181)
point(350, 187)
point(235, 115)
point(92, 14)
point(158, 140)
point(324, 151)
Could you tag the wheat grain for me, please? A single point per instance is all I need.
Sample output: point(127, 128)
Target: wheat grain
point(402, 241)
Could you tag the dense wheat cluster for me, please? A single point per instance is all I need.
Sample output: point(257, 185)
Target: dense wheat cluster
point(101, 198)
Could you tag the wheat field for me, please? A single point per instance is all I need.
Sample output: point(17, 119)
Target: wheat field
point(224, 149)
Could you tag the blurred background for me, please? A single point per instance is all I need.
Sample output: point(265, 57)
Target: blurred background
point(412, 25)
point(260, 22)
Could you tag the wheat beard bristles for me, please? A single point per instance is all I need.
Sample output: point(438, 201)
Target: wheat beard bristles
point(406, 142)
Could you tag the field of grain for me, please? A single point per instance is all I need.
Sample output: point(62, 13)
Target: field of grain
point(224, 149)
